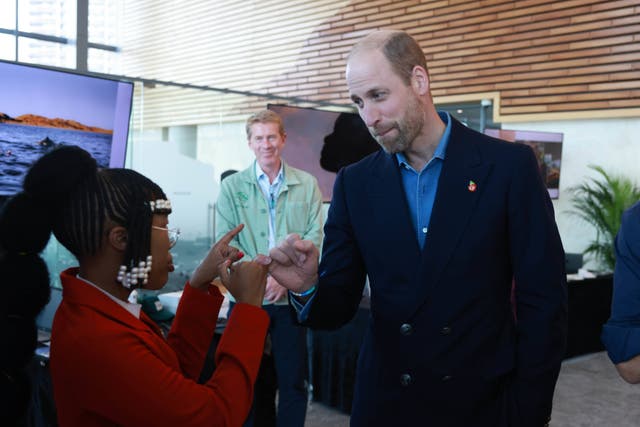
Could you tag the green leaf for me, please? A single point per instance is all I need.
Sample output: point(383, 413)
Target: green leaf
point(600, 201)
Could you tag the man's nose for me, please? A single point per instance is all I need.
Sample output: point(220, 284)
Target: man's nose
point(370, 115)
point(267, 143)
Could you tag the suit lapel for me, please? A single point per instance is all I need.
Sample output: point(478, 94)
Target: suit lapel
point(460, 186)
point(386, 189)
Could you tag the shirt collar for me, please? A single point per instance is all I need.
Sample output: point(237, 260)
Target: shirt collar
point(262, 175)
point(441, 149)
point(132, 308)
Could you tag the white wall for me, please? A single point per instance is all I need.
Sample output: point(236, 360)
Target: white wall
point(613, 144)
point(224, 146)
point(191, 185)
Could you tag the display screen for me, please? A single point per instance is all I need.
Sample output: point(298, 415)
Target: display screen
point(322, 142)
point(42, 108)
point(547, 147)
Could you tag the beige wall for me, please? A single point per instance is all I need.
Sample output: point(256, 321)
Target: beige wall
point(541, 57)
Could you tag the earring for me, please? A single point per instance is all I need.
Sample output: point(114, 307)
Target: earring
point(137, 274)
point(123, 277)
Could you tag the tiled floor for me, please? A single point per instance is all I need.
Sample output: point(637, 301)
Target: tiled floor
point(319, 415)
point(589, 394)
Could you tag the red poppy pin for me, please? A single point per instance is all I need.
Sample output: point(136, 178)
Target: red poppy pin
point(472, 186)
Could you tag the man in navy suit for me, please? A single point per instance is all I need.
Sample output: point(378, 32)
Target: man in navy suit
point(456, 233)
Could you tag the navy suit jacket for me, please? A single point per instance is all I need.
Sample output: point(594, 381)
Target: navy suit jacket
point(443, 347)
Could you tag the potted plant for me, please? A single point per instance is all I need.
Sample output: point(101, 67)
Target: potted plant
point(600, 201)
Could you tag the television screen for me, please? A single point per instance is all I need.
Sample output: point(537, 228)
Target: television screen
point(547, 147)
point(42, 108)
point(322, 142)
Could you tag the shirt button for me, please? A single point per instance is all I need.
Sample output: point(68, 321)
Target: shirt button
point(406, 329)
point(424, 230)
point(263, 211)
point(262, 234)
point(405, 380)
point(445, 331)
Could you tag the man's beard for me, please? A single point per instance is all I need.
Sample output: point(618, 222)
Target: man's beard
point(408, 128)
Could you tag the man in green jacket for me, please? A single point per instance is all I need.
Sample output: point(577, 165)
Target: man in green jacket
point(273, 200)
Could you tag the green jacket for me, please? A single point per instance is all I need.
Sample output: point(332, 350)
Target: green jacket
point(298, 210)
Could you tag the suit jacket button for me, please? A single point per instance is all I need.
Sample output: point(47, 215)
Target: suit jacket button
point(445, 331)
point(406, 329)
point(405, 380)
point(446, 378)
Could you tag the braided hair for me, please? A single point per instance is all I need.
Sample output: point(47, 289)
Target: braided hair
point(64, 192)
point(85, 198)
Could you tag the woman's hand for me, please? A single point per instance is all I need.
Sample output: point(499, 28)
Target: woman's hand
point(246, 281)
point(219, 254)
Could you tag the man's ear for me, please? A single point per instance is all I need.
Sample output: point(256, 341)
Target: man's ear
point(117, 238)
point(420, 80)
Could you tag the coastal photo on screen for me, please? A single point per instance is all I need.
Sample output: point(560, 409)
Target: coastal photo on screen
point(41, 109)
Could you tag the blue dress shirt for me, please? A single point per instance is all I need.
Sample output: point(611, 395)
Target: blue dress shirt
point(420, 186)
point(270, 192)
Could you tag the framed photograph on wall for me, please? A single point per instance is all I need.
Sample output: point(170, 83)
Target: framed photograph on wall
point(547, 147)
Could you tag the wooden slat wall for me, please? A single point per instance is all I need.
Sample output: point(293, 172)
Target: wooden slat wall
point(541, 57)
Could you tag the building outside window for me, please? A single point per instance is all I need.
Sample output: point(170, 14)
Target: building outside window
point(46, 32)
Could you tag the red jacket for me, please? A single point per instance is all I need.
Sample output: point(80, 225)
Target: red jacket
point(109, 368)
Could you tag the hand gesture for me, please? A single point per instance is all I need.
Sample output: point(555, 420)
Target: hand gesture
point(218, 255)
point(245, 281)
point(294, 263)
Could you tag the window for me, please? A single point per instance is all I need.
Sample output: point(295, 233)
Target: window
point(8, 15)
point(45, 32)
point(477, 115)
point(53, 18)
point(46, 52)
point(7, 47)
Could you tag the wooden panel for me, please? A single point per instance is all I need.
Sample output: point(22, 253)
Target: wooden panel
point(542, 56)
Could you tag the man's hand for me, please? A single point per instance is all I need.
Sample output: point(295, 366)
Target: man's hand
point(275, 291)
point(294, 263)
point(630, 370)
point(219, 254)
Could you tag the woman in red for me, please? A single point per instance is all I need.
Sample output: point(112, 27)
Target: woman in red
point(110, 364)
